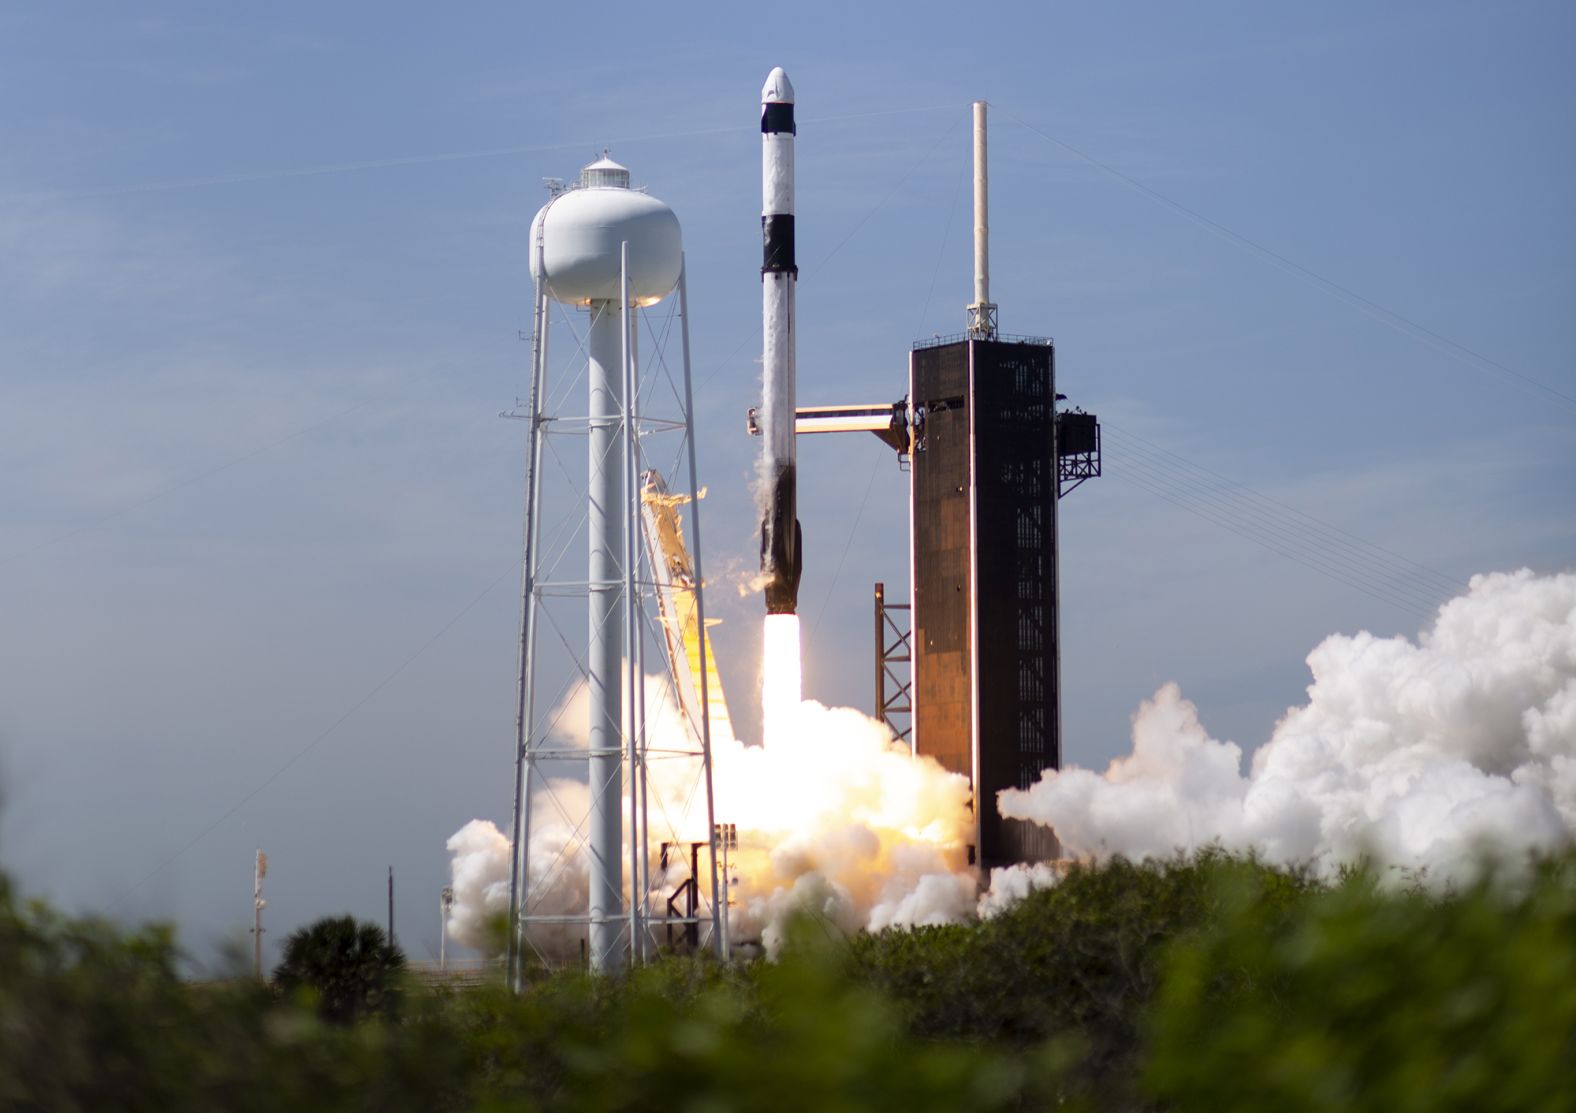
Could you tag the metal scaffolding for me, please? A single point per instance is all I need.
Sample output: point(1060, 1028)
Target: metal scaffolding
point(894, 667)
point(640, 423)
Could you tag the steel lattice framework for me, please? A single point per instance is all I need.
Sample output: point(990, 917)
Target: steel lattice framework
point(650, 436)
point(894, 665)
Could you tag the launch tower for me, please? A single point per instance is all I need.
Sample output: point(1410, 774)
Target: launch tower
point(985, 632)
point(990, 458)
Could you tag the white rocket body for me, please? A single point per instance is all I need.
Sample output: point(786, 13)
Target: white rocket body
point(782, 550)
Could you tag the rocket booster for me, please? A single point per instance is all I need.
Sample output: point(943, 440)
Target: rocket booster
point(782, 546)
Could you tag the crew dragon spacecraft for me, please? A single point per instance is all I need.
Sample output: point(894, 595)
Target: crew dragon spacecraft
point(782, 544)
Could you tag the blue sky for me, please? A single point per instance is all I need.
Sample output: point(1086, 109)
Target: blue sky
point(262, 275)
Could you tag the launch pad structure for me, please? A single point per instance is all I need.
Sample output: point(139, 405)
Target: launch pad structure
point(990, 463)
point(990, 456)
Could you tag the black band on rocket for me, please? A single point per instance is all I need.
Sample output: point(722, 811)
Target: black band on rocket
point(777, 118)
point(782, 546)
point(777, 244)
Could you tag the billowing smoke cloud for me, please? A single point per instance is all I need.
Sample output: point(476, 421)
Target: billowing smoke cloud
point(559, 879)
point(1011, 884)
point(1419, 753)
point(834, 819)
point(480, 878)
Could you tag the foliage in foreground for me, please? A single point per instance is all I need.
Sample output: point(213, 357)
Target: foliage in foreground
point(1207, 983)
point(1077, 963)
point(1394, 1001)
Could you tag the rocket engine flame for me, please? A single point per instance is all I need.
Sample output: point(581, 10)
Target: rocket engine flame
point(834, 817)
point(781, 680)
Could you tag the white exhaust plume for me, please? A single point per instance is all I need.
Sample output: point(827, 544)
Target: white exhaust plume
point(560, 877)
point(782, 685)
point(1420, 754)
point(480, 879)
point(1011, 884)
point(834, 818)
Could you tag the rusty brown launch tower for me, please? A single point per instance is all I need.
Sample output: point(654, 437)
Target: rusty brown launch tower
point(991, 457)
point(971, 676)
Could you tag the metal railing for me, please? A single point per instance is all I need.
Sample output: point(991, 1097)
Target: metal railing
point(1001, 338)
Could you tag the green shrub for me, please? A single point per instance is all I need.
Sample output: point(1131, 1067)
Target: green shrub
point(1210, 983)
point(690, 1034)
point(1076, 964)
point(1366, 998)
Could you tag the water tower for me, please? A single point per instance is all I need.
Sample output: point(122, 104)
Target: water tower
point(609, 251)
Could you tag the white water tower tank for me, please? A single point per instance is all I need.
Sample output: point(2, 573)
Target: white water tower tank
point(582, 230)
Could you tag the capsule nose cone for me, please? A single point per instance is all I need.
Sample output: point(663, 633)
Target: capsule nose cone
point(778, 89)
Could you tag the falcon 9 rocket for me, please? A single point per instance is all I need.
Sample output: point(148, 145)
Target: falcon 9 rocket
point(782, 546)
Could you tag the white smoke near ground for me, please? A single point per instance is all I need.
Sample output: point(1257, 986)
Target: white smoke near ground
point(1418, 753)
point(559, 875)
point(479, 874)
point(1010, 884)
point(835, 818)
point(1421, 754)
point(838, 820)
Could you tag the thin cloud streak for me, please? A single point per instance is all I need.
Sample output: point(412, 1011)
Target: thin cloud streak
point(420, 160)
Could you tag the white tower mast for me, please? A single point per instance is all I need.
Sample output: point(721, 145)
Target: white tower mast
point(982, 313)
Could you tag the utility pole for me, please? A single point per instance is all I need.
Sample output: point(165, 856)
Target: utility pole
point(392, 941)
point(445, 902)
point(259, 871)
point(725, 836)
